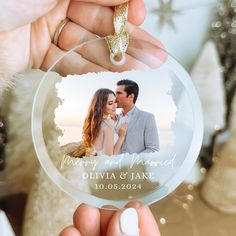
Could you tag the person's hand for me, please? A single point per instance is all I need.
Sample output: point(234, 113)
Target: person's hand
point(134, 219)
point(114, 117)
point(27, 28)
point(123, 129)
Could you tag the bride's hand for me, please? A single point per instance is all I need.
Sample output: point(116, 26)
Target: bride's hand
point(114, 117)
point(123, 129)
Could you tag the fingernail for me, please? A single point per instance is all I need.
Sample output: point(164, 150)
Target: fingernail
point(129, 222)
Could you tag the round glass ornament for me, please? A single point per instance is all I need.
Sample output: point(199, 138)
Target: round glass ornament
point(146, 169)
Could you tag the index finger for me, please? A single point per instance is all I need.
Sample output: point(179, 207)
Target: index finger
point(106, 214)
point(137, 10)
point(101, 17)
point(87, 220)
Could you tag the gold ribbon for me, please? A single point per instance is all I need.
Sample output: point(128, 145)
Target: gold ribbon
point(118, 43)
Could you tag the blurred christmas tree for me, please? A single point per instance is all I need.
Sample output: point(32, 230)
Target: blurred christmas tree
point(223, 33)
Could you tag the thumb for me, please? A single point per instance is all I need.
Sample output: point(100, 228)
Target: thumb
point(135, 219)
point(124, 222)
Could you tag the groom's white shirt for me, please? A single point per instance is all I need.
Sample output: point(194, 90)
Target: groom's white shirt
point(142, 134)
point(124, 118)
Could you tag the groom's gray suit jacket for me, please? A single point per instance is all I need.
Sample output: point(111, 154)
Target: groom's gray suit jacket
point(142, 134)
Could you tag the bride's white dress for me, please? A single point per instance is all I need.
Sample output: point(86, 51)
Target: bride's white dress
point(99, 144)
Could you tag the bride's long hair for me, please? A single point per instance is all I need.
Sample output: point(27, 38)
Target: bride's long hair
point(94, 116)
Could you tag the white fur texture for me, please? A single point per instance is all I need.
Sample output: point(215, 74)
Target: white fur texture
point(14, 56)
point(21, 162)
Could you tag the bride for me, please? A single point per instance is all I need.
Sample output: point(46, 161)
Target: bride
point(99, 126)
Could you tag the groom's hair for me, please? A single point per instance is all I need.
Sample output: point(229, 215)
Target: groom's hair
point(131, 87)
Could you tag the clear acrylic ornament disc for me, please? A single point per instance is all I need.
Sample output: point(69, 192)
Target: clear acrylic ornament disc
point(145, 174)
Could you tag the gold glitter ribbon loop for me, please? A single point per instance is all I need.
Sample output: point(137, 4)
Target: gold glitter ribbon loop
point(120, 18)
point(118, 43)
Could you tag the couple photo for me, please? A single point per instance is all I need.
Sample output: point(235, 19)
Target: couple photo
point(106, 132)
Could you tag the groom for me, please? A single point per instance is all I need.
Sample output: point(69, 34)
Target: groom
point(142, 135)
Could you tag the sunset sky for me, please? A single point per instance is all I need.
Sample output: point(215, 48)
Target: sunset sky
point(154, 96)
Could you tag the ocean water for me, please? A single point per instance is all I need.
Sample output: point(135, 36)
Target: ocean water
point(73, 134)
